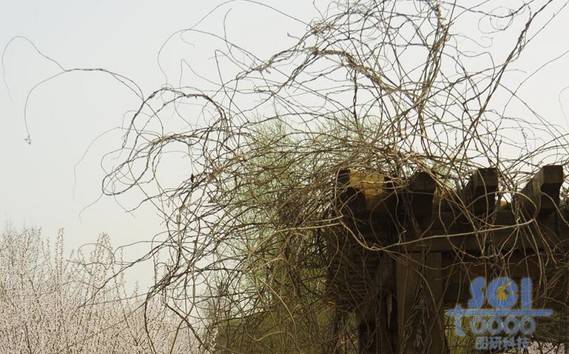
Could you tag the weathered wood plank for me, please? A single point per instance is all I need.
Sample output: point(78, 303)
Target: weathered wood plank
point(370, 185)
point(540, 196)
point(420, 190)
point(419, 294)
point(479, 195)
point(518, 265)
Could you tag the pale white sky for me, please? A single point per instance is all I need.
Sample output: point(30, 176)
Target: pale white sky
point(37, 184)
point(67, 114)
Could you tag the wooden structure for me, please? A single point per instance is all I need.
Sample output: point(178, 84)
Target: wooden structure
point(408, 252)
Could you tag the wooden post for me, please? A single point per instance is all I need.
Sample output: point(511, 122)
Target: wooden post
point(540, 197)
point(419, 297)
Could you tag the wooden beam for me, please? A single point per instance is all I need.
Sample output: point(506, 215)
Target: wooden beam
point(420, 190)
point(369, 184)
point(519, 265)
point(479, 195)
point(540, 196)
point(441, 237)
point(350, 201)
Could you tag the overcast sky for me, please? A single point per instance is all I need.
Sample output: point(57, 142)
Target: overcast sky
point(55, 182)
